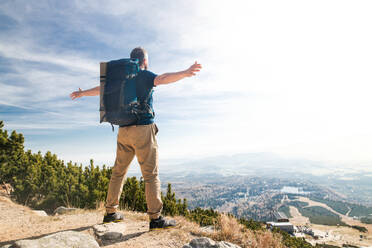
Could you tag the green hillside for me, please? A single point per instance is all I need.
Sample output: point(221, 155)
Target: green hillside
point(322, 216)
point(344, 207)
point(338, 206)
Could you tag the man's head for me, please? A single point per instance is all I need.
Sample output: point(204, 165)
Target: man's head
point(140, 54)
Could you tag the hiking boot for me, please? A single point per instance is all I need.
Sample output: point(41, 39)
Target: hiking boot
point(113, 217)
point(161, 223)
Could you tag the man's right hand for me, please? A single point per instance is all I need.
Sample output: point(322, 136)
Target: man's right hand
point(76, 94)
point(193, 69)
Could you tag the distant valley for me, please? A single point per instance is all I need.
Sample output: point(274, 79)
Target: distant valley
point(335, 202)
point(333, 218)
point(352, 183)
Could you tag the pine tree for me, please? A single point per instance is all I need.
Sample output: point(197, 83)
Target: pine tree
point(182, 208)
point(133, 196)
point(169, 202)
point(11, 155)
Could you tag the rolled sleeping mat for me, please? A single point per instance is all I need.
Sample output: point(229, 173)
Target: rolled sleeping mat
point(102, 73)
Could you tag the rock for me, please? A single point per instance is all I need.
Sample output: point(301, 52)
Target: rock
point(65, 239)
point(7, 246)
point(39, 212)
point(64, 210)
point(208, 243)
point(110, 231)
point(202, 243)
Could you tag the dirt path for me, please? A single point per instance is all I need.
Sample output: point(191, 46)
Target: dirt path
point(348, 212)
point(297, 219)
point(19, 222)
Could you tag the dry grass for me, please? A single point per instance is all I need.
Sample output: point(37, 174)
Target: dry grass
point(228, 229)
point(267, 239)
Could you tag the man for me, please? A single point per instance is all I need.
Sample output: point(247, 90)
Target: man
point(139, 140)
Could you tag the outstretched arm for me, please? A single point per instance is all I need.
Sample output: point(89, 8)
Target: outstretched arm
point(172, 77)
point(91, 92)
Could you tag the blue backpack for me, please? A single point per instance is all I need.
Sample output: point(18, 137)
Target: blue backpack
point(119, 104)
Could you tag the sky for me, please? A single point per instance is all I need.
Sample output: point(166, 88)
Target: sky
point(286, 77)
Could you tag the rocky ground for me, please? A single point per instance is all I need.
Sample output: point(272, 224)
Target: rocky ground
point(18, 223)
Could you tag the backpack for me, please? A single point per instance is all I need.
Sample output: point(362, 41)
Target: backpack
point(119, 104)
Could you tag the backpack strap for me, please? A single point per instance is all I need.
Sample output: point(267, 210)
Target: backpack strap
point(146, 102)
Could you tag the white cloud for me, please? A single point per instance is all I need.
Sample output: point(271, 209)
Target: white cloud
point(303, 82)
point(23, 51)
point(295, 74)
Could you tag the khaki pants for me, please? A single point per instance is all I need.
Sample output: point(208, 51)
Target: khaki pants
point(137, 140)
